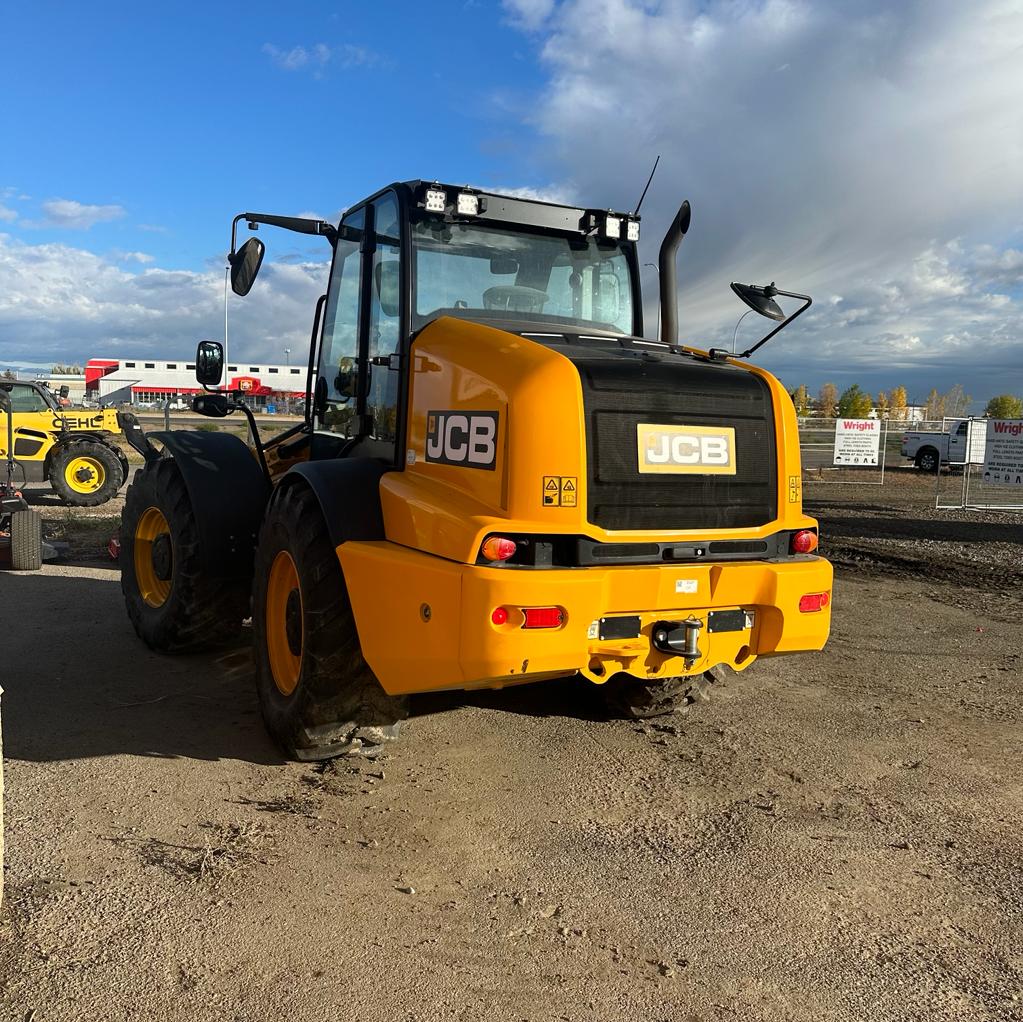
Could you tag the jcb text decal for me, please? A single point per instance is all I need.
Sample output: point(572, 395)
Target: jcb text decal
point(468, 439)
point(702, 450)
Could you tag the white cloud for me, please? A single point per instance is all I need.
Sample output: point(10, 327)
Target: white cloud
point(7, 215)
point(529, 14)
point(72, 215)
point(58, 302)
point(315, 58)
point(131, 257)
point(891, 134)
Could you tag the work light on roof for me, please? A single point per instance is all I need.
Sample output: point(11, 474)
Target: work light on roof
point(632, 230)
point(468, 204)
point(612, 226)
point(436, 200)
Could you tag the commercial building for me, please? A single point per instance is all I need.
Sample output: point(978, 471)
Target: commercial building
point(111, 381)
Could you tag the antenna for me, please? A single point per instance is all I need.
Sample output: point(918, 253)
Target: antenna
point(648, 180)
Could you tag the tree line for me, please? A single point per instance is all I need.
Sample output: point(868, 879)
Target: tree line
point(856, 403)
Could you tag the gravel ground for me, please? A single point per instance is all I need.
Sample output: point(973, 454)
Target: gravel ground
point(835, 836)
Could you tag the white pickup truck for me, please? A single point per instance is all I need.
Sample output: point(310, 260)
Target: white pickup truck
point(956, 446)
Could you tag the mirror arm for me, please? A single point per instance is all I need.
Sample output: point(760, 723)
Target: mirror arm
point(807, 302)
point(290, 223)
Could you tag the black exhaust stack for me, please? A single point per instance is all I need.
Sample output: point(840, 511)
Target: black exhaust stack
point(669, 278)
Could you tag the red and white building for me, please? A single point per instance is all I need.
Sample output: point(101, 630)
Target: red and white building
point(111, 381)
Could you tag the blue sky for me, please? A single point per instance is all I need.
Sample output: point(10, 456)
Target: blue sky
point(183, 119)
point(870, 154)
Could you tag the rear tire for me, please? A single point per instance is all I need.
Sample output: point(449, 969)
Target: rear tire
point(927, 460)
point(175, 604)
point(318, 695)
point(85, 473)
point(635, 699)
point(26, 541)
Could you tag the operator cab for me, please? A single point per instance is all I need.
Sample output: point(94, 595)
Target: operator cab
point(416, 252)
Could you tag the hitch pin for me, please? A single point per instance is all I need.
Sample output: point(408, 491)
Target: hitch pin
point(691, 651)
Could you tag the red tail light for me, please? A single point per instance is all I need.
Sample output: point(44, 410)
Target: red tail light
point(543, 617)
point(804, 541)
point(499, 615)
point(498, 548)
point(813, 602)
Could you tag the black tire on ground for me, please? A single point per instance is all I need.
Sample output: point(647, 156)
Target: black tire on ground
point(336, 705)
point(106, 457)
point(927, 460)
point(26, 541)
point(201, 610)
point(634, 699)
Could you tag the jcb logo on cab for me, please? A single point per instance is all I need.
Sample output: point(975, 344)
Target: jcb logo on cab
point(702, 450)
point(468, 439)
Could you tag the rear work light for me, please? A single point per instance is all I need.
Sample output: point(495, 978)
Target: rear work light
point(498, 548)
point(813, 602)
point(542, 617)
point(804, 541)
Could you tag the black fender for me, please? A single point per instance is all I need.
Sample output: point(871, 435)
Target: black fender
point(348, 490)
point(228, 491)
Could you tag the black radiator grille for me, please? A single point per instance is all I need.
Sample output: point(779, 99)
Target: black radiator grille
point(620, 391)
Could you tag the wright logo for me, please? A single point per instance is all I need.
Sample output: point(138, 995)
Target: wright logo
point(699, 450)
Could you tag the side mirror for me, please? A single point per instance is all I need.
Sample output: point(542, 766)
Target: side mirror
point(64, 391)
point(216, 406)
point(209, 363)
point(245, 264)
point(503, 265)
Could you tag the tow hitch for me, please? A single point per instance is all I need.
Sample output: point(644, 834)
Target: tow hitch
point(679, 638)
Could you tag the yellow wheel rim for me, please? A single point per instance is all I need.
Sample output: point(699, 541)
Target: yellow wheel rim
point(85, 475)
point(148, 569)
point(285, 628)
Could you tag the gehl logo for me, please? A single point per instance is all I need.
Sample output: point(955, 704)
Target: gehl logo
point(468, 439)
point(699, 450)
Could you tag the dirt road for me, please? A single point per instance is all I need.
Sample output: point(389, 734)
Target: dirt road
point(836, 836)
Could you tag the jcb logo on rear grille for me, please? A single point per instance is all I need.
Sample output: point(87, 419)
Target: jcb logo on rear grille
point(700, 450)
point(468, 439)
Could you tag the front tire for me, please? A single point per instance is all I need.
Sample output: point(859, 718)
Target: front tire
point(175, 603)
point(318, 695)
point(85, 473)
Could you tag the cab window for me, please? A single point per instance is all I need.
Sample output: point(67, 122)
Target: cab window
point(27, 399)
point(339, 354)
point(384, 320)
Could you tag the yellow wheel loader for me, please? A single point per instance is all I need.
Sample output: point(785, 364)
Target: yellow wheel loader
point(499, 479)
point(72, 448)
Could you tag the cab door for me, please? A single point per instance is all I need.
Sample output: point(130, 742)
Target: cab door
point(358, 378)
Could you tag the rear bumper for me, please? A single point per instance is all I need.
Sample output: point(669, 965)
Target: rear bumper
point(425, 623)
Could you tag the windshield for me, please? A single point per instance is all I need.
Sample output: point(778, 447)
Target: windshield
point(480, 271)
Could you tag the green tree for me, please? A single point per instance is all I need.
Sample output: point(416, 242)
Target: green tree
point(884, 405)
point(854, 403)
point(801, 399)
point(1005, 406)
point(827, 401)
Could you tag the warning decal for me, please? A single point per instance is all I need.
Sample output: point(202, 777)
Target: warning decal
point(560, 491)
